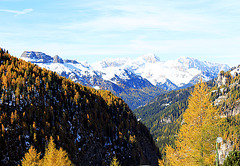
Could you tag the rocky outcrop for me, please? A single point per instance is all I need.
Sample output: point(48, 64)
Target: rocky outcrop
point(166, 120)
point(221, 79)
point(234, 111)
point(224, 150)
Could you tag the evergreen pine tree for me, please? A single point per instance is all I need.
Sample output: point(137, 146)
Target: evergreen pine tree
point(233, 159)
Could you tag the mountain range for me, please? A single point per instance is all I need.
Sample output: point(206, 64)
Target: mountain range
point(137, 81)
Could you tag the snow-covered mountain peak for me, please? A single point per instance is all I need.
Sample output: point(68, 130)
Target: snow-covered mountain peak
point(57, 59)
point(149, 58)
point(188, 63)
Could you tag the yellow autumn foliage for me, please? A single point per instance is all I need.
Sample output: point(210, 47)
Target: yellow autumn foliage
point(196, 139)
point(52, 156)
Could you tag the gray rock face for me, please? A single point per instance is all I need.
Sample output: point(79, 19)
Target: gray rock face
point(232, 111)
point(29, 54)
point(37, 57)
point(57, 59)
point(221, 80)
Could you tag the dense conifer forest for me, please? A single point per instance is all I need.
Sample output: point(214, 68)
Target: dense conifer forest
point(91, 126)
point(163, 115)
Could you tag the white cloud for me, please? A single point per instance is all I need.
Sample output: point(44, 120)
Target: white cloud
point(16, 12)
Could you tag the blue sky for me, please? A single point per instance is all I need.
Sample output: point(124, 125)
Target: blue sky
point(92, 30)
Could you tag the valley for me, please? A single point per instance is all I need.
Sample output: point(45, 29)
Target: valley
point(119, 83)
point(44, 97)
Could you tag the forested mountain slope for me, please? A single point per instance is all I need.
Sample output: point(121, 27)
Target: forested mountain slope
point(163, 114)
point(122, 82)
point(91, 125)
point(211, 120)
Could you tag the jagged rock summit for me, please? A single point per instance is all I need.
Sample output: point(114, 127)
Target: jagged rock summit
point(40, 57)
point(57, 59)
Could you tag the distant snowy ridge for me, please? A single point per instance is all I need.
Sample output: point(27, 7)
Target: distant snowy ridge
point(179, 72)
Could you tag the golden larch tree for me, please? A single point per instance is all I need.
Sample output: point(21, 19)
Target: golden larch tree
point(55, 157)
point(62, 158)
point(32, 158)
point(196, 139)
point(114, 162)
point(51, 157)
point(50, 153)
